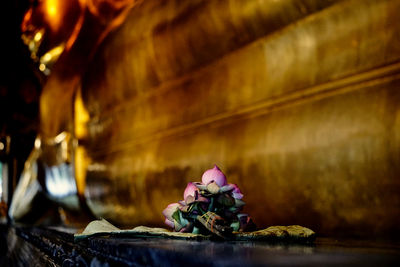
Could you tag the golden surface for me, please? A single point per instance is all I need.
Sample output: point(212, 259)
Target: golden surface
point(296, 101)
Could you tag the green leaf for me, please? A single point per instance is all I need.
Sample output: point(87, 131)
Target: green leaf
point(183, 221)
point(226, 188)
point(176, 216)
point(235, 225)
point(226, 200)
point(234, 209)
point(239, 203)
point(177, 226)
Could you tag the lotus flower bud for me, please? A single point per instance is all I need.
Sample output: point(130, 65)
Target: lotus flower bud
point(214, 174)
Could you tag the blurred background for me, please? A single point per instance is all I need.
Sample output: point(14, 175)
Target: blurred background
point(110, 107)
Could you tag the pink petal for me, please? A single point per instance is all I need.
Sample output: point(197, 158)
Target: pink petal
point(200, 186)
point(235, 188)
point(169, 210)
point(237, 195)
point(236, 192)
point(184, 208)
point(169, 223)
point(228, 187)
point(189, 199)
point(214, 174)
point(190, 190)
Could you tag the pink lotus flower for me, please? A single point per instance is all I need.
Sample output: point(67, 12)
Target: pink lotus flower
point(214, 175)
point(213, 194)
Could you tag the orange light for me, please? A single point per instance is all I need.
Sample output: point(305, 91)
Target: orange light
point(81, 117)
point(52, 8)
point(26, 20)
point(82, 160)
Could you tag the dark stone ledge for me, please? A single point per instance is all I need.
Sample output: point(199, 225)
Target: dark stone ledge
point(36, 246)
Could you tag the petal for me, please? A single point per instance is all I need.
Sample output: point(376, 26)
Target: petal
point(227, 188)
point(214, 174)
point(170, 210)
point(213, 188)
point(237, 195)
point(189, 199)
point(239, 203)
point(236, 188)
point(200, 186)
point(184, 208)
point(169, 223)
point(226, 200)
point(236, 192)
point(190, 190)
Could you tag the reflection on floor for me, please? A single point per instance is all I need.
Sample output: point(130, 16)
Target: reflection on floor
point(56, 246)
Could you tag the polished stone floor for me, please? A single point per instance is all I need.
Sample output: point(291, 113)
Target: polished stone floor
point(55, 247)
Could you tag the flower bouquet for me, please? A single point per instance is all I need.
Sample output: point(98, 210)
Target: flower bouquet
point(210, 206)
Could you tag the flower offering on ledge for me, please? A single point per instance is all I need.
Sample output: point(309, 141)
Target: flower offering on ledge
point(210, 206)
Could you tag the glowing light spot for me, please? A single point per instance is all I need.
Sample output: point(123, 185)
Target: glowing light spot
point(52, 55)
point(42, 67)
point(60, 137)
point(60, 181)
point(1, 146)
point(58, 50)
point(1, 182)
point(82, 162)
point(51, 7)
point(38, 36)
point(81, 117)
point(31, 45)
point(47, 57)
point(37, 143)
